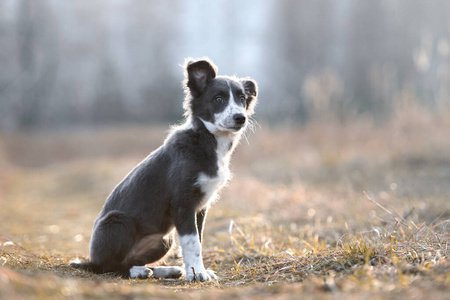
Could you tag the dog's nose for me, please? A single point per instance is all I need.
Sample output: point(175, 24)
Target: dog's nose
point(239, 119)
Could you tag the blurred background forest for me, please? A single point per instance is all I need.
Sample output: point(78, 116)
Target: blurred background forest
point(66, 63)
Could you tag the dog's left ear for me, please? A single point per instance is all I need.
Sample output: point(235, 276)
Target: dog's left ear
point(199, 74)
point(251, 90)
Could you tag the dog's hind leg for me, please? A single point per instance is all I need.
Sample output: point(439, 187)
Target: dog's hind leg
point(152, 248)
point(112, 240)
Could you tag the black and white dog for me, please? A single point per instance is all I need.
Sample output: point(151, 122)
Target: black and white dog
point(175, 185)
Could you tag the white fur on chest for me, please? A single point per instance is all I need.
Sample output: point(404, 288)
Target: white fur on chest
point(210, 186)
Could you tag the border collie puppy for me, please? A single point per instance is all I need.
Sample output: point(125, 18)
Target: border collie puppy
point(175, 185)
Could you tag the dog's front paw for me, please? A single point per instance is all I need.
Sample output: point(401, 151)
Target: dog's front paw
point(204, 275)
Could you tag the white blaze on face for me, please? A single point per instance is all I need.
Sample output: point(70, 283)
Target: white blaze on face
point(224, 121)
point(225, 118)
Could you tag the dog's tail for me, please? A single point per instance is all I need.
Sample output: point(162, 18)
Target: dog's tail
point(88, 266)
point(119, 270)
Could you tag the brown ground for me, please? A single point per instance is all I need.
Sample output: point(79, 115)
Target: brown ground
point(335, 210)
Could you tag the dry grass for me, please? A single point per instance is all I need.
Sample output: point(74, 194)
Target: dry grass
point(325, 211)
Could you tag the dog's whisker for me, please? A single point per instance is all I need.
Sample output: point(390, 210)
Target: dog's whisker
point(245, 137)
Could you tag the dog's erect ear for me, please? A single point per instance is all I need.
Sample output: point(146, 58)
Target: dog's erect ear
point(251, 90)
point(199, 74)
point(250, 86)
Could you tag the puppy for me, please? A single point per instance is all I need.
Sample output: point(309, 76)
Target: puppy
point(173, 188)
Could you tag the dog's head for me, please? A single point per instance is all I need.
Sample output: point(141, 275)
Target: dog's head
point(223, 103)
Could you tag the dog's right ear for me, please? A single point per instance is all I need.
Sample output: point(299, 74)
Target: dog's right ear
point(199, 74)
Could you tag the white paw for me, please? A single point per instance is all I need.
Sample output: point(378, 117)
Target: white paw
point(140, 272)
point(204, 275)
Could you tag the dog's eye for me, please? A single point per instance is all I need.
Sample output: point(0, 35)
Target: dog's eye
point(242, 99)
point(219, 99)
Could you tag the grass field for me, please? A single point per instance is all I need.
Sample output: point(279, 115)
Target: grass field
point(347, 211)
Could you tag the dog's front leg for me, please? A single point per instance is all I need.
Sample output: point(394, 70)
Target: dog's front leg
point(192, 248)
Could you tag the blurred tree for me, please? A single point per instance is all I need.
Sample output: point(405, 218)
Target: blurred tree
point(109, 103)
point(67, 62)
point(37, 62)
point(304, 32)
